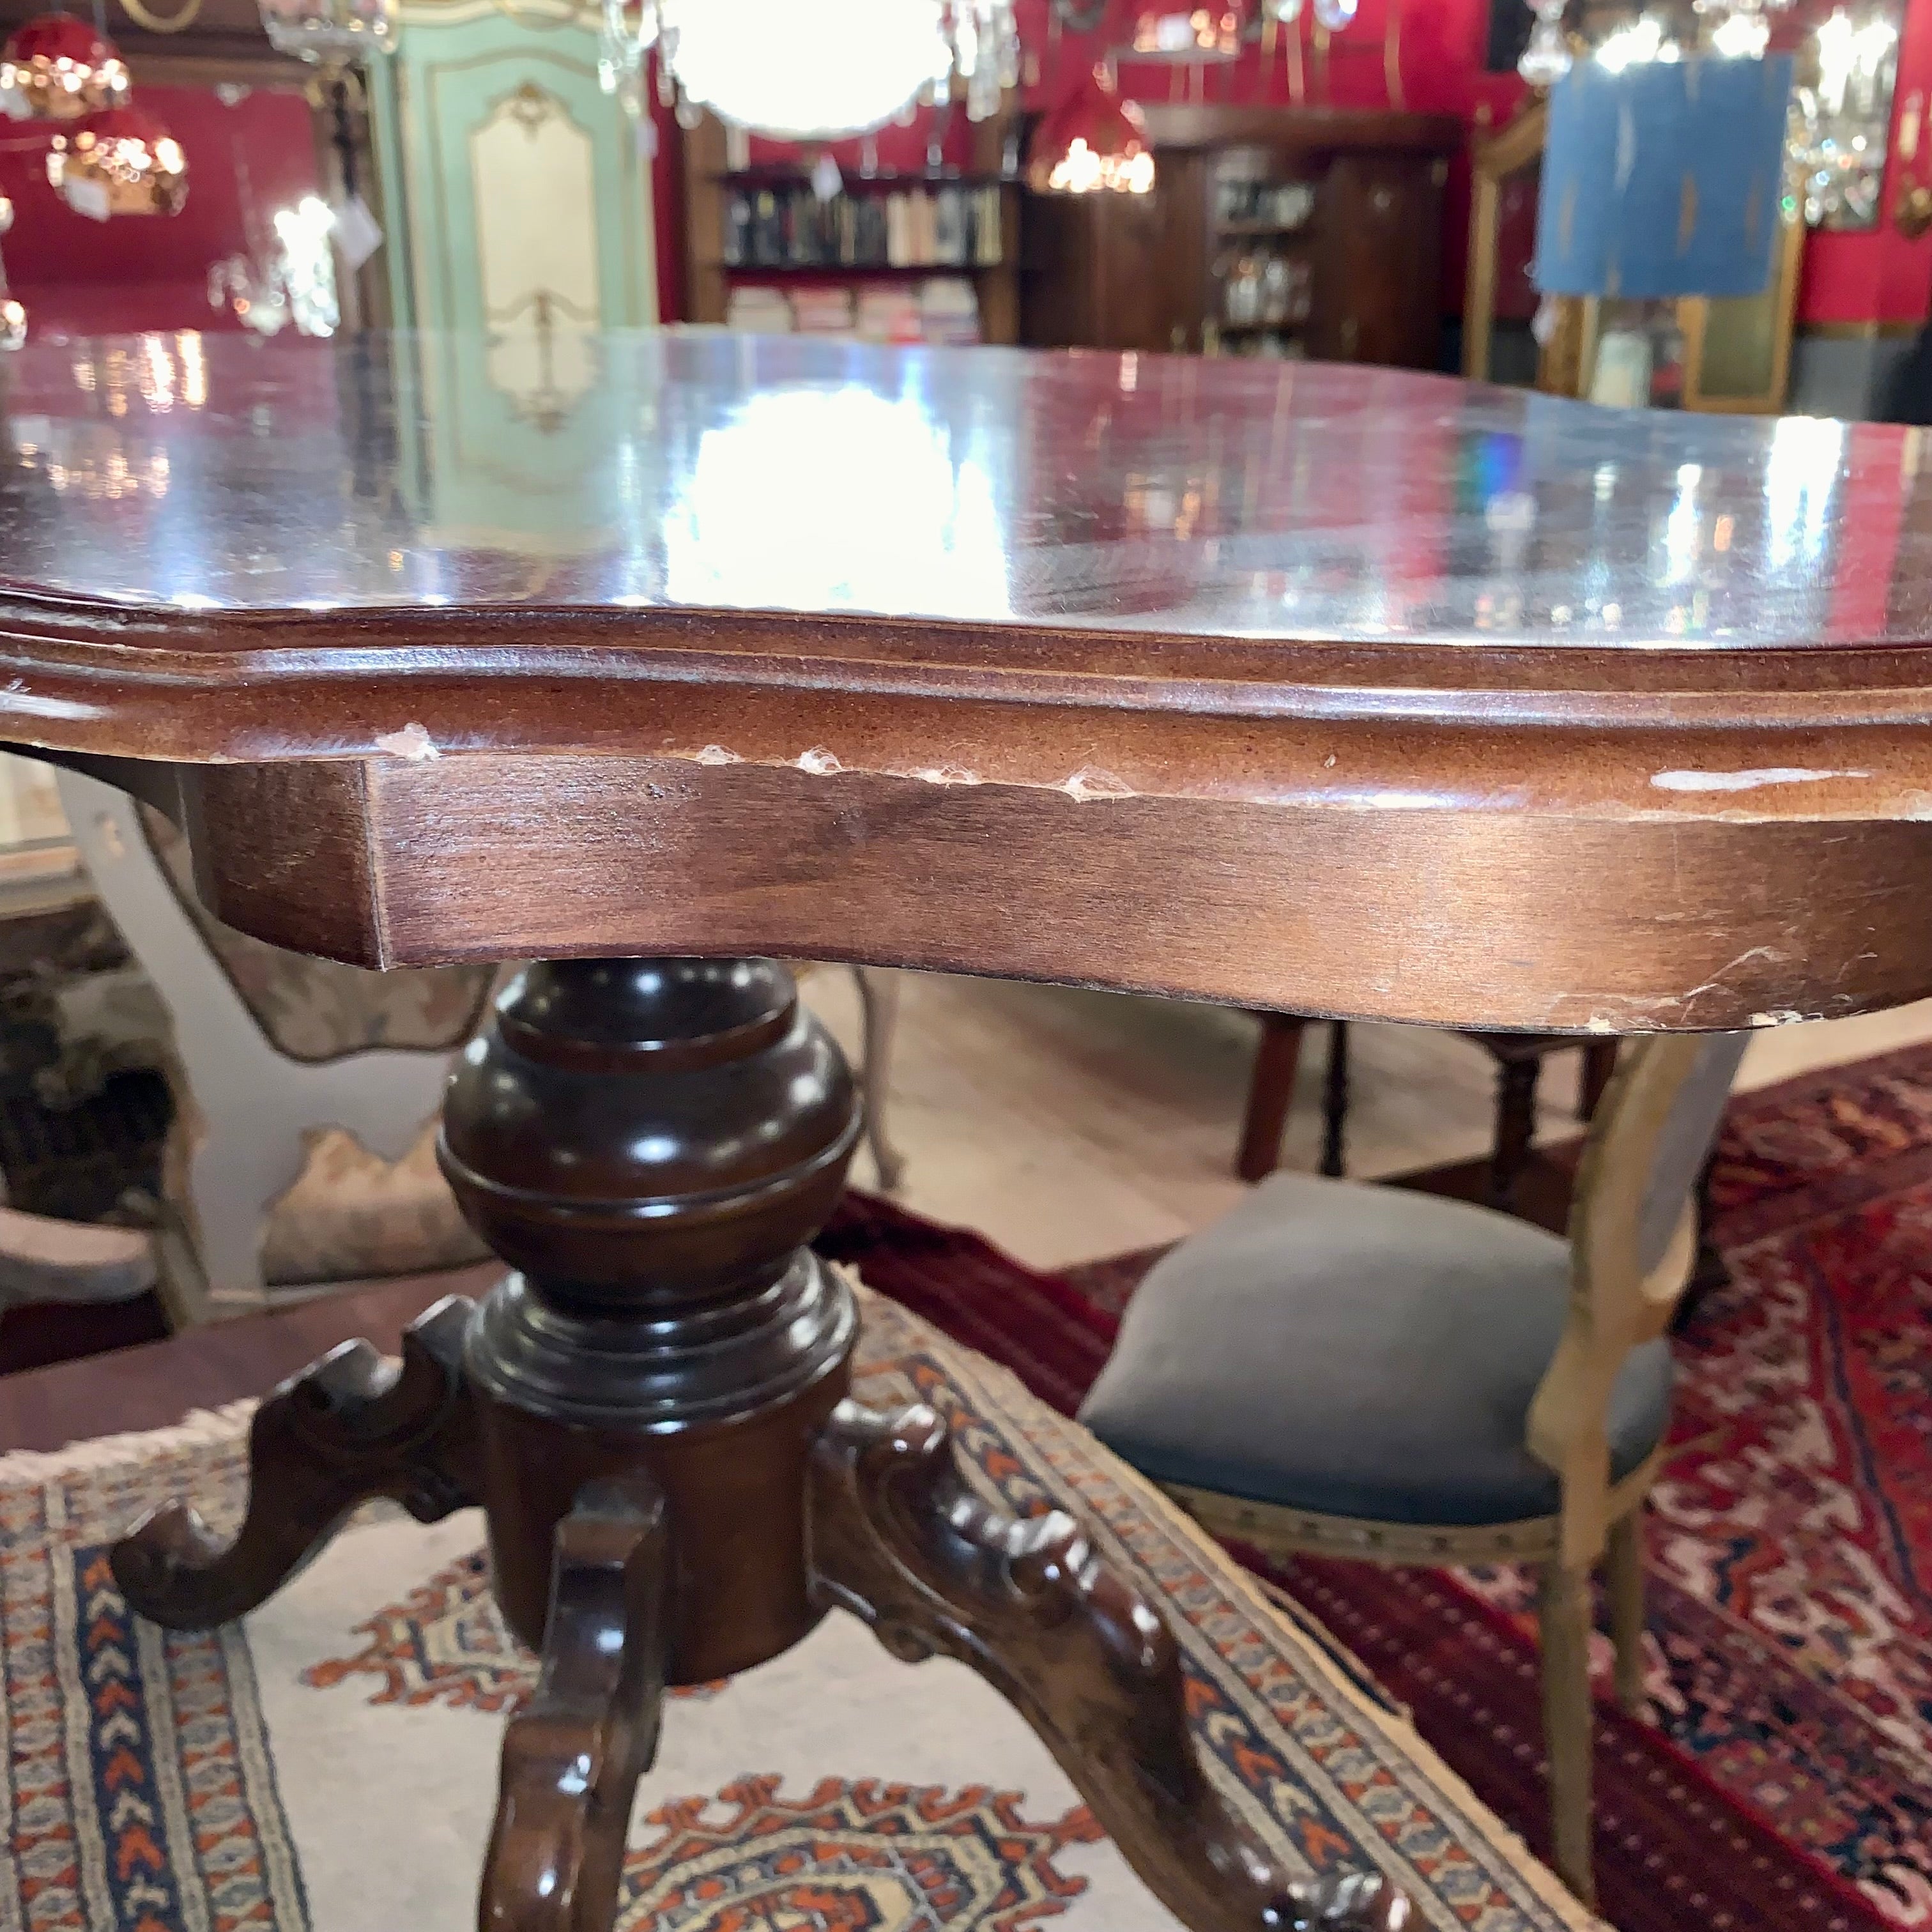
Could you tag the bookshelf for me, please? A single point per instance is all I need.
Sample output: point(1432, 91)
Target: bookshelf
point(763, 228)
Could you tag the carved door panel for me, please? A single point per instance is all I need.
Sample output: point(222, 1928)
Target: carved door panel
point(525, 197)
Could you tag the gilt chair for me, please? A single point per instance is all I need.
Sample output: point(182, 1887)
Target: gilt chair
point(306, 1091)
point(1375, 1373)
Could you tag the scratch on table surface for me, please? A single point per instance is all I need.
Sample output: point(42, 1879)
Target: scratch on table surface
point(1752, 780)
point(716, 755)
point(1649, 1009)
point(412, 741)
point(821, 762)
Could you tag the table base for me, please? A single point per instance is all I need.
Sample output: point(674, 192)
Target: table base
point(652, 1415)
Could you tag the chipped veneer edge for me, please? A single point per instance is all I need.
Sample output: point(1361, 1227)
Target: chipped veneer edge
point(412, 741)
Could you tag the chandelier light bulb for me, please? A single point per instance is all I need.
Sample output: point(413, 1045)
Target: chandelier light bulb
point(1334, 15)
point(322, 31)
point(1189, 36)
point(1744, 34)
point(834, 67)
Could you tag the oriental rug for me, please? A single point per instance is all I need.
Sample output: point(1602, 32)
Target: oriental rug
point(1786, 1778)
point(330, 1764)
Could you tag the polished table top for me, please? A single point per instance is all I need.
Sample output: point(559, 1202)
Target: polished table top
point(1097, 492)
point(1276, 589)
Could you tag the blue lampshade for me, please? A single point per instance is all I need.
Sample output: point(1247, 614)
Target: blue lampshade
point(1663, 178)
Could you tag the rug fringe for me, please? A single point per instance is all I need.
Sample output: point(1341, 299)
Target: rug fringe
point(200, 1429)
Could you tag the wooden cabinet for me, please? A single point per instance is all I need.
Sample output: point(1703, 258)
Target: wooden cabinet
point(1310, 232)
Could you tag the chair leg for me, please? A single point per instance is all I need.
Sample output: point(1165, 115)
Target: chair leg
point(1600, 1062)
point(1270, 1089)
point(879, 1004)
point(1335, 1102)
point(1624, 1572)
point(1516, 1128)
point(1707, 1272)
point(1565, 1614)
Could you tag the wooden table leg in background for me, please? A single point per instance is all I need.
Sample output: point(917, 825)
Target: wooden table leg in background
point(1270, 1092)
point(652, 1413)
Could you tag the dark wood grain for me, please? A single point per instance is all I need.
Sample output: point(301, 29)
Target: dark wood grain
point(901, 1540)
point(1378, 261)
point(1314, 689)
point(1492, 916)
point(652, 1142)
point(348, 1429)
point(1181, 634)
point(1270, 1092)
point(1150, 272)
point(573, 1755)
point(1190, 124)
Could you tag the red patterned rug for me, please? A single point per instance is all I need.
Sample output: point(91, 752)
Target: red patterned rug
point(1786, 1778)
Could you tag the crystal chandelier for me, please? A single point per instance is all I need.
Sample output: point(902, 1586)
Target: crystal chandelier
point(1198, 36)
point(1744, 32)
point(813, 69)
point(1843, 116)
point(326, 30)
point(57, 68)
point(1092, 141)
point(298, 284)
point(1741, 32)
point(1546, 60)
point(120, 161)
point(105, 158)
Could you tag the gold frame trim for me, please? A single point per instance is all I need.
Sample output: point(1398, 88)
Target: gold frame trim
point(1495, 158)
point(1569, 357)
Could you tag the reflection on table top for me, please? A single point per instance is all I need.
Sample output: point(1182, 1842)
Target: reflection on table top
point(1022, 492)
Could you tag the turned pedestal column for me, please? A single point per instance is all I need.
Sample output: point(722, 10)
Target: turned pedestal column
point(650, 1144)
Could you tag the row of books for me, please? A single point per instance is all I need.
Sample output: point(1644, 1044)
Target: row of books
point(951, 225)
point(942, 308)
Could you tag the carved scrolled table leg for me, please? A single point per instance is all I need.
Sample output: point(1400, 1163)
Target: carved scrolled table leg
point(897, 1537)
point(572, 1757)
point(347, 1428)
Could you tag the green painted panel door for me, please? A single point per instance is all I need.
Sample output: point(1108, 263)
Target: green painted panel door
point(525, 198)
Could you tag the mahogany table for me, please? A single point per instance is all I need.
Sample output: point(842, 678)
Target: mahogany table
point(1331, 691)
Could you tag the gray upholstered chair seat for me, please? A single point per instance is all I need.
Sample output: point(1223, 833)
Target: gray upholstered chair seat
point(1359, 1351)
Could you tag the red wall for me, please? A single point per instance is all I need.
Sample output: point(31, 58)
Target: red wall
point(1439, 45)
point(136, 273)
point(1877, 276)
point(152, 273)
